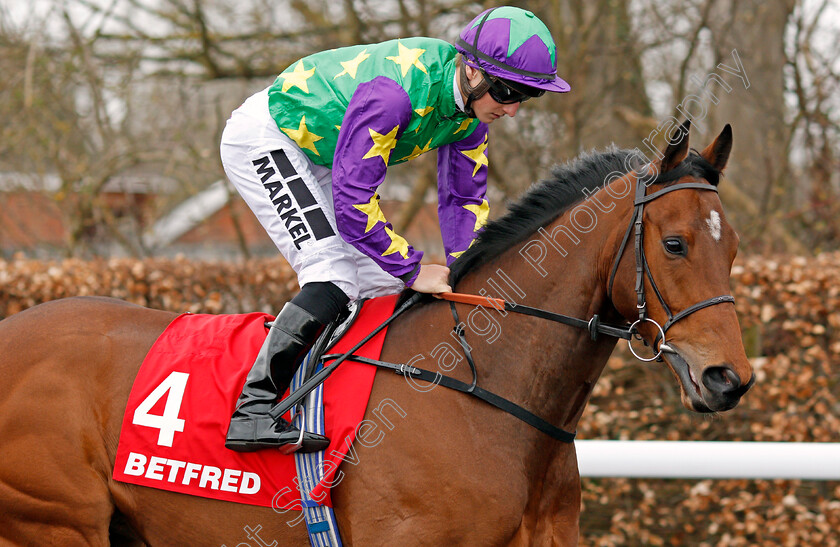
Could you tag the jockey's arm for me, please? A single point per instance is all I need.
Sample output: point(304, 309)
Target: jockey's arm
point(462, 189)
point(376, 117)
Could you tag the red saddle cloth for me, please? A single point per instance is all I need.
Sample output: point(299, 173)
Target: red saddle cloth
point(177, 415)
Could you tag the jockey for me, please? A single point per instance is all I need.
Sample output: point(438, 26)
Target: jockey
point(308, 153)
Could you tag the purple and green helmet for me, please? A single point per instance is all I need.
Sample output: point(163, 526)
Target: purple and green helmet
point(512, 44)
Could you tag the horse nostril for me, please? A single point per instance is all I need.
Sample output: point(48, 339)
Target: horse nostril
point(721, 380)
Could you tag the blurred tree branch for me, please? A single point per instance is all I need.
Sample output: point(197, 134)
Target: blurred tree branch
point(119, 88)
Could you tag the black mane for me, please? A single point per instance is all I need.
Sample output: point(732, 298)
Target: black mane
point(547, 199)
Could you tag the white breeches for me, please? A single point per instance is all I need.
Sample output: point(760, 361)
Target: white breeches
point(292, 199)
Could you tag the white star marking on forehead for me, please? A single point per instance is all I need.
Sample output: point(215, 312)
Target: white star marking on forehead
point(713, 222)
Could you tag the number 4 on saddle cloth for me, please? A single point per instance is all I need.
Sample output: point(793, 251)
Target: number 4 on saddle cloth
point(177, 415)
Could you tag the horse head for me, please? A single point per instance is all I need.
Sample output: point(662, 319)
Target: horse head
point(676, 288)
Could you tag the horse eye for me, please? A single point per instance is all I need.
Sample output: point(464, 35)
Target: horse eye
point(675, 246)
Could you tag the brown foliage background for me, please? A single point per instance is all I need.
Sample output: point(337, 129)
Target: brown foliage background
point(790, 315)
point(178, 285)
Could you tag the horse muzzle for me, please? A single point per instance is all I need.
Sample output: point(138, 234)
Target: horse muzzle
point(723, 387)
point(718, 389)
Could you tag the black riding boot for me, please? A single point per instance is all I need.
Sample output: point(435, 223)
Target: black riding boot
point(251, 428)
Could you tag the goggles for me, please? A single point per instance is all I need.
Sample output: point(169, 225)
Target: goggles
point(507, 92)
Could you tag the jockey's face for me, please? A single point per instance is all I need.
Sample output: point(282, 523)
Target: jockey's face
point(486, 109)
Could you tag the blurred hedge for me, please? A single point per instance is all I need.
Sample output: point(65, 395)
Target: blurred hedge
point(790, 316)
point(178, 285)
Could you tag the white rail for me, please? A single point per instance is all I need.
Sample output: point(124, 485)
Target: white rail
point(709, 459)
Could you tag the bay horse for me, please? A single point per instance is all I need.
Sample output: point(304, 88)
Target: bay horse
point(453, 470)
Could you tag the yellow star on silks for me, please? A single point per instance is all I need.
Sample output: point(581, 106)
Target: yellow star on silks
point(463, 127)
point(408, 58)
point(459, 253)
point(418, 151)
point(481, 213)
point(398, 244)
point(477, 155)
point(302, 136)
point(373, 212)
point(351, 66)
point(382, 144)
point(297, 78)
point(422, 112)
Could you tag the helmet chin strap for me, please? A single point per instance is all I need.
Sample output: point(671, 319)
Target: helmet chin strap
point(472, 93)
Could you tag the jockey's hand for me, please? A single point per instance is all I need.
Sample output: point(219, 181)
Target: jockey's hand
point(432, 279)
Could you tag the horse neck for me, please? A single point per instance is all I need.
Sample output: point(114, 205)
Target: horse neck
point(547, 367)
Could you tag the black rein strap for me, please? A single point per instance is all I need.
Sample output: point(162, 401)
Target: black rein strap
point(488, 397)
point(472, 389)
point(594, 326)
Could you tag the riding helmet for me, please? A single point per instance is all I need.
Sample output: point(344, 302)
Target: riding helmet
point(512, 44)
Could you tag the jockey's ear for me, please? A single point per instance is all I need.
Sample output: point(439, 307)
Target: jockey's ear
point(717, 153)
point(473, 75)
point(677, 148)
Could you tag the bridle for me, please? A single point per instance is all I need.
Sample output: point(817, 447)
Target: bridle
point(636, 226)
point(593, 325)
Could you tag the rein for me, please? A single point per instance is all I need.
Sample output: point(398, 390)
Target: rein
point(437, 378)
point(593, 325)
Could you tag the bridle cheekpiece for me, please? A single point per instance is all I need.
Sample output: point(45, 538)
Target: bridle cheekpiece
point(636, 227)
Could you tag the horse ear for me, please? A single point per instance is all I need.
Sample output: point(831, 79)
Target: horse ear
point(717, 153)
point(677, 150)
